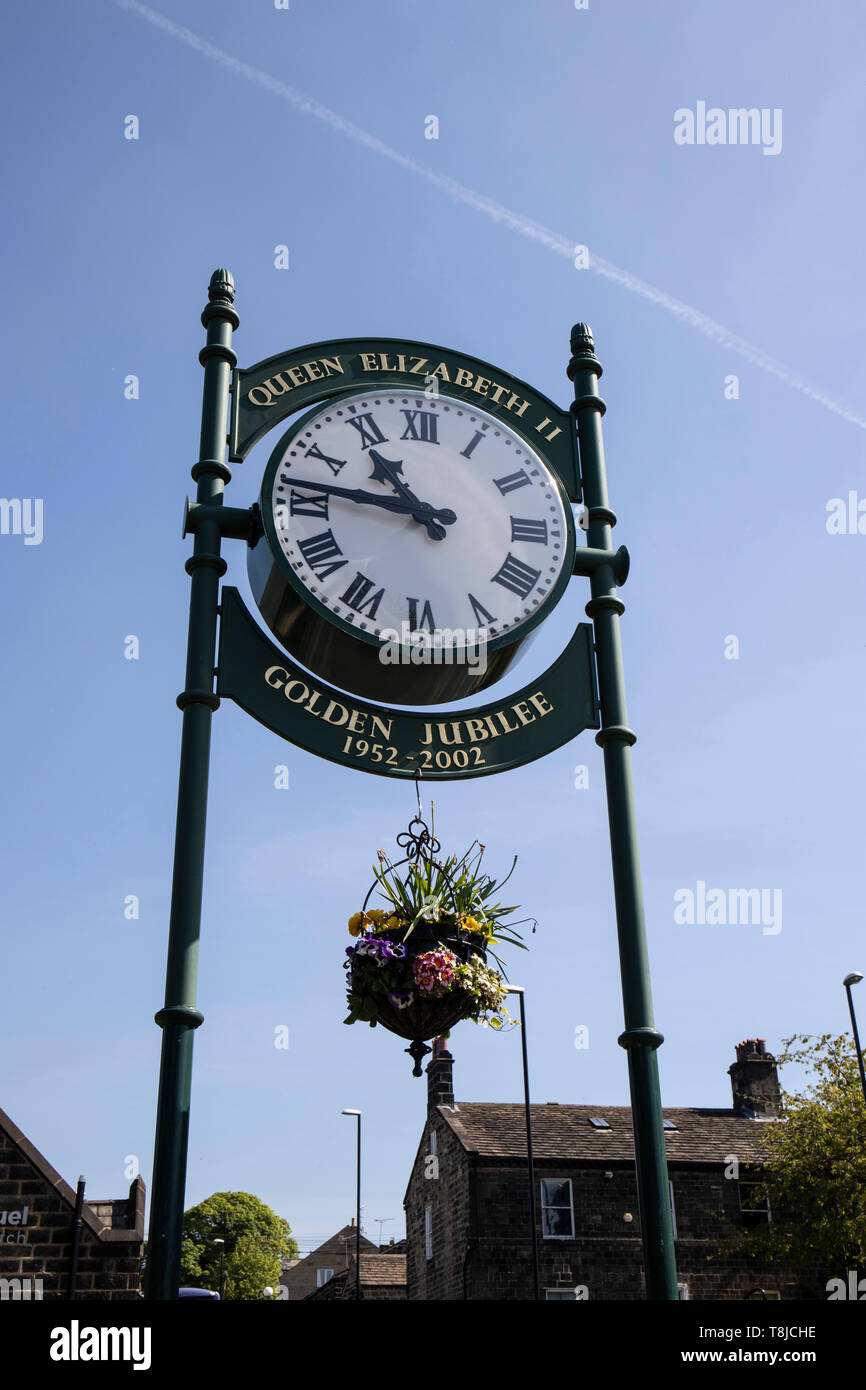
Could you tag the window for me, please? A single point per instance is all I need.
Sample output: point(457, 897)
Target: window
point(673, 1210)
point(669, 1124)
point(428, 1232)
point(557, 1212)
point(556, 1295)
point(322, 1276)
point(598, 1123)
point(432, 1149)
point(754, 1203)
point(683, 1291)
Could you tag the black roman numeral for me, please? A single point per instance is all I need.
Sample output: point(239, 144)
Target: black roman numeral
point(334, 464)
point(318, 551)
point(356, 596)
point(367, 429)
point(426, 615)
point(482, 617)
point(513, 574)
point(513, 480)
point(467, 452)
point(525, 529)
point(310, 504)
point(421, 424)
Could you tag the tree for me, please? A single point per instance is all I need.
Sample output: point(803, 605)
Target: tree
point(815, 1167)
point(256, 1240)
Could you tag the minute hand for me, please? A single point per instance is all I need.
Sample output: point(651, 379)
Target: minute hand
point(421, 511)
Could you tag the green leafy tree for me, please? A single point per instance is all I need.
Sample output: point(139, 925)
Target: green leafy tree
point(256, 1240)
point(815, 1169)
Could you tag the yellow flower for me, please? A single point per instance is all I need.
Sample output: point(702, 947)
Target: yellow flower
point(470, 923)
point(356, 924)
point(376, 915)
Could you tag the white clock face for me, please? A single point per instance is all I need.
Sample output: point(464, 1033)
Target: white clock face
point(396, 509)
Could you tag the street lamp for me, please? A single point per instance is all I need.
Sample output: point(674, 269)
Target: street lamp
point(854, 978)
point(357, 1210)
point(221, 1243)
point(519, 991)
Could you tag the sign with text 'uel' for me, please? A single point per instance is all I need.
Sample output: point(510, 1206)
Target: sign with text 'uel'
point(506, 733)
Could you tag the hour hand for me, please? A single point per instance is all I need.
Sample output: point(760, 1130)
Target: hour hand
point(386, 471)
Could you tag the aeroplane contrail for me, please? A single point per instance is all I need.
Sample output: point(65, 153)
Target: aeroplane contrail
point(515, 221)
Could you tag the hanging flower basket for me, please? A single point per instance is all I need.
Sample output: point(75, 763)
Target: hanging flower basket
point(420, 965)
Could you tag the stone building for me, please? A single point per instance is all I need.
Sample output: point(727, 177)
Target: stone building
point(467, 1202)
point(331, 1258)
point(37, 1228)
point(383, 1276)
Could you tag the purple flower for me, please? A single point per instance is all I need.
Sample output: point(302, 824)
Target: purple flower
point(401, 999)
point(379, 948)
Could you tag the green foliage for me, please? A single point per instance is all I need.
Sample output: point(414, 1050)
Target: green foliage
point(450, 890)
point(250, 1269)
point(816, 1161)
point(255, 1241)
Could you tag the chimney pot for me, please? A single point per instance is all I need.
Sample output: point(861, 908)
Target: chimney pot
point(440, 1078)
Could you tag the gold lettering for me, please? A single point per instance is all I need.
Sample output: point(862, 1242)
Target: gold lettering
point(497, 392)
point(381, 726)
point(523, 714)
point(543, 426)
point(300, 698)
point(463, 377)
point(357, 722)
point(332, 707)
point(401, 362)
point(269, 386)
point(422, 363)
point(276, 671)
point(481, 385)
point(441, 371)
point(386, 365)
point(313, 370)
point(488, 720)
point(255, 402)
point(509, 404)
point(541, 702)
point(313, 701)
point(443, 735)
point(429, 734)
point(503, 719)
point(368, 362)
point(476, 730)
point(331, 365)
point(553, 433)
point(297, 375)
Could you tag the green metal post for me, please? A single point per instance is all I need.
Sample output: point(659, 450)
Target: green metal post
point(640, 1038)
point(179, 1017)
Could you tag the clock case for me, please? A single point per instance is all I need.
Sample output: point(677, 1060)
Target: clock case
point(346, 656)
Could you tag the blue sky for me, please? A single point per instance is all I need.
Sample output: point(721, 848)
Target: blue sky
point(748, 771)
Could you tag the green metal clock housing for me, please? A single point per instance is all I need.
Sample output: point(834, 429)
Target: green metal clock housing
point(410, 543)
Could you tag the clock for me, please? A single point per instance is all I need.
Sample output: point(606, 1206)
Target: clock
point(409, 544)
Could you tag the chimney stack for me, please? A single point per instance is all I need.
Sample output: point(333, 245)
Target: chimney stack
point(440, 1079)
point(754, 1080)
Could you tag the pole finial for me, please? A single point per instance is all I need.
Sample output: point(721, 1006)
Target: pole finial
point(222, 285)
point(583, 356)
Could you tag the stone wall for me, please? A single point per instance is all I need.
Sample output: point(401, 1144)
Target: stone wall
point(37, 1216)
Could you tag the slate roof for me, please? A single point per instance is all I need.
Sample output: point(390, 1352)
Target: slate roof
point(383, 1269)
point(564, 1132)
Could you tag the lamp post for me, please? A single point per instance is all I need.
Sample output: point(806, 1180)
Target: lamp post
point(357, 1209)
point(854, 978)
point(640, 1037)
point(218, 1240)
point(519, 991)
